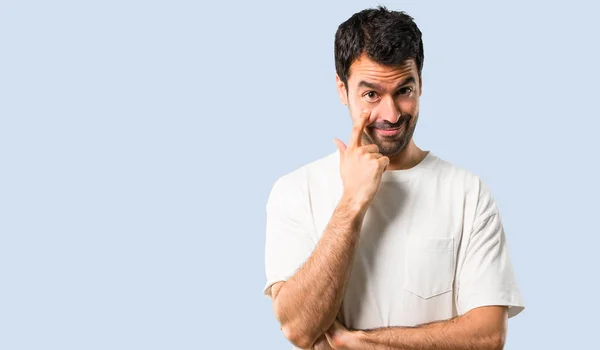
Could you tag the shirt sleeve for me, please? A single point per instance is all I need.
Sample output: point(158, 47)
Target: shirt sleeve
point(290, 235)
point(487, 277)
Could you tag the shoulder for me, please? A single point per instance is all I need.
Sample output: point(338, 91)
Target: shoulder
point(454, 174)
point(299, 181)
point(474, 187)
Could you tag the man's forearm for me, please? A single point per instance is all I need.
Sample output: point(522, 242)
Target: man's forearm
point(448, 335)
point(480, 330)
point(307, 304)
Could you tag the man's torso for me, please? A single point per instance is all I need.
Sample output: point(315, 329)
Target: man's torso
point(410, 246)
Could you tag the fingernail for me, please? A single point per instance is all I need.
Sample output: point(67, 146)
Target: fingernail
point(366, 110)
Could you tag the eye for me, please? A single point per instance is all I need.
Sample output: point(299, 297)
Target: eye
point(405, 91)
point(370, 96)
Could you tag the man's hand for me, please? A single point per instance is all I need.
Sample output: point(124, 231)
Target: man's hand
point(361, 167)
point(339, 337)
point(322, 344)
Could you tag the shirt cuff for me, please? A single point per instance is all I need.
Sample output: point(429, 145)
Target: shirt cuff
point(513, 301)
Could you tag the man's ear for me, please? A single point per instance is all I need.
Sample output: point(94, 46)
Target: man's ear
point(420, 86)
point(341, 88)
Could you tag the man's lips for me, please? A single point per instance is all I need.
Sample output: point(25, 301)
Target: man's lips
point(390, 131)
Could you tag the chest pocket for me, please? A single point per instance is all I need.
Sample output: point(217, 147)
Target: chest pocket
point(429, 266)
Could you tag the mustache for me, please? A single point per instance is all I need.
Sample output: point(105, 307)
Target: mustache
point(385, 125)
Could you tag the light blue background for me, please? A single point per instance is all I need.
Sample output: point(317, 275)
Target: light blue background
point(139, 141)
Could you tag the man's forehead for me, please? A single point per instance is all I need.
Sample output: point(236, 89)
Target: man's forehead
point(365, 68)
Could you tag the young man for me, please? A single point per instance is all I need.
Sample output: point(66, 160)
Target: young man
point(382, 245)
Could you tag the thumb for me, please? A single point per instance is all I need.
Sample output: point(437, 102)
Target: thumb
point(340, 145)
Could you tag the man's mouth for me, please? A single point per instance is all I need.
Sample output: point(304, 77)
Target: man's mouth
point(387, 132)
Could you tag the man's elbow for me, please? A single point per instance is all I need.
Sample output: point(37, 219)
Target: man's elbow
point(301, 335)
point(495, 341)
point(297, 337)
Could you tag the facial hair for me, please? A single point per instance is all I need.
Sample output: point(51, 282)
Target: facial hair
point(391, 146)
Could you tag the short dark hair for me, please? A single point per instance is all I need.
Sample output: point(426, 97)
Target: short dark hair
point(387, 37)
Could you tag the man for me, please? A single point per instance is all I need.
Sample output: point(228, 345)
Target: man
point(382, 245)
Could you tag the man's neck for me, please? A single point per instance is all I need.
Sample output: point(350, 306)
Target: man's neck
point(410, 156)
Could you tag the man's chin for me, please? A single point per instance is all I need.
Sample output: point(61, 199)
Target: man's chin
point(390, 148)
point(390, 152)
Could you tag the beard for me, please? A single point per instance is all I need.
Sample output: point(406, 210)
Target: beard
point(390, 146)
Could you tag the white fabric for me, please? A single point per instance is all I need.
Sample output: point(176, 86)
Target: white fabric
point(432, 244)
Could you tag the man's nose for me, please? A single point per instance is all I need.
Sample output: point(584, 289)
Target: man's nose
point(387, 110)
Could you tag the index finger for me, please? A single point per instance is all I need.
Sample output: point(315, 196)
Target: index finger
point(359, 127)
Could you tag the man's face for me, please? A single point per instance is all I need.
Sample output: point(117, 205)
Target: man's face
point(392, 94)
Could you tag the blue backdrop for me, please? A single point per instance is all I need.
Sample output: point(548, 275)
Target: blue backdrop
point(139, 141)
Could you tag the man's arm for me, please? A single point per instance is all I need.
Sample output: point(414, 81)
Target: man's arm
point(308, 302)
point(322, 343)
point(482, 328)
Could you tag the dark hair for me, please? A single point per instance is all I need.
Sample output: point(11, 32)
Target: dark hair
point(387, 37)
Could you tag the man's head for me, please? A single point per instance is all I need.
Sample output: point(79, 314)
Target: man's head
point(378, 61)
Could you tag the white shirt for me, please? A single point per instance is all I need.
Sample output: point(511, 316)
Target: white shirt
point(432, 244)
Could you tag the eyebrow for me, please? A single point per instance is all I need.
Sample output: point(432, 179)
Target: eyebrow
point(377, 87)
